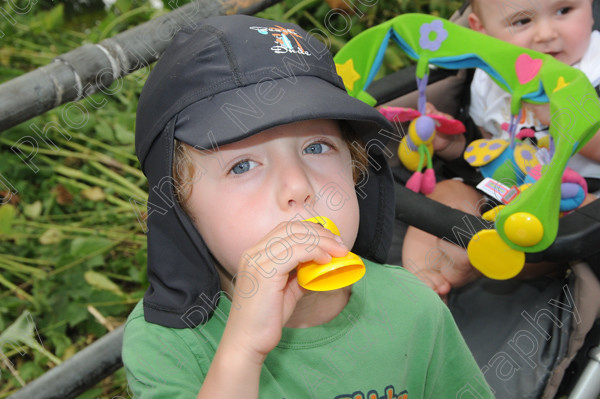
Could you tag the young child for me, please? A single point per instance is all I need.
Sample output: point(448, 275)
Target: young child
point(244, 130)
point(560, 28)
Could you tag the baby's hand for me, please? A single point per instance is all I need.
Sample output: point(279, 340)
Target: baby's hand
point(266, 289)
point(540, 111)
point(430, 109)
point(449, 269)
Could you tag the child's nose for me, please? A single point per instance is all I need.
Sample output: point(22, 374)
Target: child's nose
point(295, 187)
point(545, 31)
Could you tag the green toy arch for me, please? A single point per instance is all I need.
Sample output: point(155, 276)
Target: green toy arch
point(526, 74)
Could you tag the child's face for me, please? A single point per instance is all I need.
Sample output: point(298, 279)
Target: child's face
point(561, 28)
point(248, 187)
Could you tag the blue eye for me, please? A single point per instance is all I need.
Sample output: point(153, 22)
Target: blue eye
point(242, 167)
point(316, 148)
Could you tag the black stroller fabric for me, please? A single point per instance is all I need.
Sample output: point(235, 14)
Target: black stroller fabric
point(518, 330)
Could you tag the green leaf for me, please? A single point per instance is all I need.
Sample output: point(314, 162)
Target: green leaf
point(75, 313)
point(29, 371)
point(7, 216)
point(83, 246)
point(54, 18)
point(92, 393)
point(51, 236)
point(60, 342)
point(124, 135)
point(34, 210)
point(104, 132)
point(23, 331)
point(94, 261)
point(93, 194)
point(275, 12)
point(101, 282)
point(123, 5)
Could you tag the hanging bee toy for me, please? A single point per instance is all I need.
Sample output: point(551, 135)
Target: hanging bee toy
point(416, 147)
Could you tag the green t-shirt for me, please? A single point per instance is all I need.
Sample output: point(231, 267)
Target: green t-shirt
point(395, 339)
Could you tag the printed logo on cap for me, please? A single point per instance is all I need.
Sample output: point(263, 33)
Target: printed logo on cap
point(286, 40)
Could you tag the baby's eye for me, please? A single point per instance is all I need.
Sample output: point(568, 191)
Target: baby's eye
point(521, 22)
point(564, 10)
point(520, 19)
point(316, 148)
point(242, 167)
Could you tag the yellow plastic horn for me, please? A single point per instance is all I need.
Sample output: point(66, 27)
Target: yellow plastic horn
point(338, 273)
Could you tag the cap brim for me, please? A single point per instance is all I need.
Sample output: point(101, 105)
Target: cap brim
point(239, 113)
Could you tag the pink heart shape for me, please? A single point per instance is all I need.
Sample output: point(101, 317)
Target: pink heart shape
point(527, 68)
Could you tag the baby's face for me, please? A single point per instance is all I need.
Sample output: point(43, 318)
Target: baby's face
point(248, 187)
point(561, 28)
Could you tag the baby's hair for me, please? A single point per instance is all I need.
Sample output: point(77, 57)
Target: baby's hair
point(184, 170)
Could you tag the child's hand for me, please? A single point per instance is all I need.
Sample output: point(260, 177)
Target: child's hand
point(266, 289)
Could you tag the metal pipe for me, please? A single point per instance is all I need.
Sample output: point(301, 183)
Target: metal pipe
point(93, 67)
point(80, 372)
point(588, 385)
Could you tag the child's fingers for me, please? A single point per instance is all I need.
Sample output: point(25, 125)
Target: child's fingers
point(319, 245)
point(444, 298)
point(289, 244)
point(295, 291)
point(266, 288)
point(443, 288)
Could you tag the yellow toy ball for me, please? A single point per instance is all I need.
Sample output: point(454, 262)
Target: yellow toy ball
point(410, 158)
point(524, 229)
point(493, 257)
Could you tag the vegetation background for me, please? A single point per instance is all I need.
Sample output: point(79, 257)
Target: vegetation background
point(72, 248)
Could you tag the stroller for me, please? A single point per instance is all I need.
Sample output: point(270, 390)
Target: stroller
point(531, 338)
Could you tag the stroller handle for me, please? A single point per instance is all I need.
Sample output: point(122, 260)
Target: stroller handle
point(577, 238)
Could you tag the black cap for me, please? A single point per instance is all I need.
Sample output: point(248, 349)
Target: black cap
point(229, 78)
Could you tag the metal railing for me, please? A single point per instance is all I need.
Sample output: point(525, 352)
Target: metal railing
point(89, 68)
point(79, 373)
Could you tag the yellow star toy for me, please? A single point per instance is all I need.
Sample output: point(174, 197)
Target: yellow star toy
point(560, 84)
point(348, 73)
